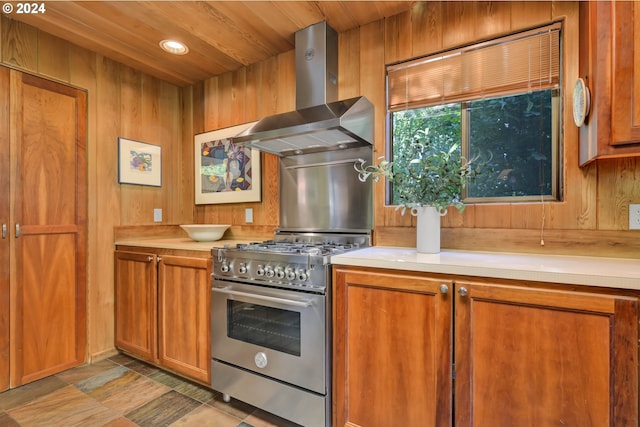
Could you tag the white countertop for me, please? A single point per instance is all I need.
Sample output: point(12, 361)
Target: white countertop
point(577, 270)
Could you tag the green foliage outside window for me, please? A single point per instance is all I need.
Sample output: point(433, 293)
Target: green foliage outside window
point(512, 135)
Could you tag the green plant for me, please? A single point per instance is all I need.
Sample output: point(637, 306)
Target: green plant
point(423, 174)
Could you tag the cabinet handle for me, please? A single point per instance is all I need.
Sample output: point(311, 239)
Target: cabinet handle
point(463, 291)
point(17, 230)
point(159, 259)
point(444, 289)
point(150, 258)
point(4, 231)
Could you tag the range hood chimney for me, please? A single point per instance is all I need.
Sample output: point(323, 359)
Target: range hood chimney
point(320, 122)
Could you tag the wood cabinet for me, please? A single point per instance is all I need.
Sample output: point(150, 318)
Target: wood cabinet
point(392, 349)
point(526, 354)
point(184, 316)
point(610, 65)
point(43, 228)
point(136, 327)
point(163, 310)
point(531, 356)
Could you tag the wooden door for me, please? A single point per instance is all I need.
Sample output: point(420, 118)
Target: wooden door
point(392, 349)
point(48, 229)
point(135, 304)
point(4, 224)
point(184, 312)
point(534, 357)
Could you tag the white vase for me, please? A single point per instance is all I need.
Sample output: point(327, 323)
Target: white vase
point(428, 230)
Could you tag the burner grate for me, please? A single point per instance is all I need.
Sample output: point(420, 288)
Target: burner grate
point(305, 248)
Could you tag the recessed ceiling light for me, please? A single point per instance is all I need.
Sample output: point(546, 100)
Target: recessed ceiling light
point(174, 47)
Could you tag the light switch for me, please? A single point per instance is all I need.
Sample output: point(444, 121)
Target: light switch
point(157, 215)
point(248, 215)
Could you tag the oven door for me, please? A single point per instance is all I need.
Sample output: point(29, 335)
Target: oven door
point(274, 332)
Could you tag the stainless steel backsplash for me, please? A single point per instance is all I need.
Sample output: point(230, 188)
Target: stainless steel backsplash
point(322, 192)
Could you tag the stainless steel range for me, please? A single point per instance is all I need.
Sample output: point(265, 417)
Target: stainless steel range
point(271, 323)
point(271, 301)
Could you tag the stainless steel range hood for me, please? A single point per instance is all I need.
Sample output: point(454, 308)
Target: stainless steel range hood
point(320, 122)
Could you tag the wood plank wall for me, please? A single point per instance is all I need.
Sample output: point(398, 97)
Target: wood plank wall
point(121, 102)
point(592, 218)
point(240, 97)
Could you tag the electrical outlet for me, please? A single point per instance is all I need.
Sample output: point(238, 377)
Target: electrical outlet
point(248, 215)
point(157, 215)
point(634, 216)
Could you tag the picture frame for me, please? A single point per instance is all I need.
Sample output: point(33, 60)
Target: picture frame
point(139, 163)
point(225, 173)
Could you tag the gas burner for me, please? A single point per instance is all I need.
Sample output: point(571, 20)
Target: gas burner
point(294, 247)
point(267, 246)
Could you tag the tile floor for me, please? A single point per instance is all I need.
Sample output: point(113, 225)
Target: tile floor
point(122, 392)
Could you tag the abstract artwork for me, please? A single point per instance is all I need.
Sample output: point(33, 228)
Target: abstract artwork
point(224, 171)
point(139, 163)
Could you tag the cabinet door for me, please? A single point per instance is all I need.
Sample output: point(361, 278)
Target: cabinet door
point(48, 227)
point(610, 64)
point(184, 309)
point(392, 349)
point(625, 99)
point(540, 357)
point(4, 224)
point(135, 304)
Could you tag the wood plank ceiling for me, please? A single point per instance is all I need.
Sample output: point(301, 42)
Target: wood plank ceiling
point(222, 36)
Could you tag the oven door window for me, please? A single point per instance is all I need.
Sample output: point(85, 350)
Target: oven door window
point(264, 326)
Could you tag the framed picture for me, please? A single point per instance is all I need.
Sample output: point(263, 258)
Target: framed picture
point(139, 163)
point(225, 172)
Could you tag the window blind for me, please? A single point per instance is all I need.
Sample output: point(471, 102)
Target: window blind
point(513, 64)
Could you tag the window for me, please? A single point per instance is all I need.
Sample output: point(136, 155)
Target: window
point(499, 100)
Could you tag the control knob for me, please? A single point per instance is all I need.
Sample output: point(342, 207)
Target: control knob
point(268, 271)
point(225, 267)
point(243, 268)
point(260, 270)
point(302, 275)
point(290, 273)
point(279, 272)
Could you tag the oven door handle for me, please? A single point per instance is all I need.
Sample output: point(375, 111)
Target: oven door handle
point(306, 303)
